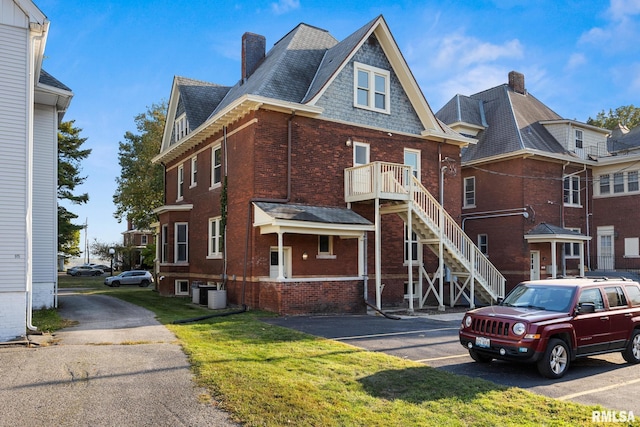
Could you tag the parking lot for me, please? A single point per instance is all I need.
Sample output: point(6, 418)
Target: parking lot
point(433, 340)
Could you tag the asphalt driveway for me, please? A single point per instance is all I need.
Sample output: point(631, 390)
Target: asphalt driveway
point(606, 380)
point(117, 367)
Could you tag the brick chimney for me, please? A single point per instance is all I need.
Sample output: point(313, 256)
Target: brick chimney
point(253, 52)
point(516, 82)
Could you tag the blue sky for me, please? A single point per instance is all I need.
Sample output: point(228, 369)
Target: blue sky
point(578, 57)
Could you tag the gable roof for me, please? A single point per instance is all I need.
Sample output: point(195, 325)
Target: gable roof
point(510, 122)
point(624, 142)
point(292, 76)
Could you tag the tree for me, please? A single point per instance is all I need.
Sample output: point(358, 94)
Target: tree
point(626, 115)
point(141, 183)
point(70, 156)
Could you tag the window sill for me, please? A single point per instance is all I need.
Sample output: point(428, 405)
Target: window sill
point(193, 185)
point(214, 256)
point(326, 256)
point(214, 186)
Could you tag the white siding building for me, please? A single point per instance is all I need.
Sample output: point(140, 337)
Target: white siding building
point(32, 104)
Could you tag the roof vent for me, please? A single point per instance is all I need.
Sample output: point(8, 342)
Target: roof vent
point(516, 82)
point(253, 52)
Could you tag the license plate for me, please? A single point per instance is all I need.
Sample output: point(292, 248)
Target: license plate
point(483, 342)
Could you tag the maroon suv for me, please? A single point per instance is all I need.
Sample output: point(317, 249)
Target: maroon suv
point(552, 322)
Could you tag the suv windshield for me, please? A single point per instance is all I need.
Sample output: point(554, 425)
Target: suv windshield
point(540, 297)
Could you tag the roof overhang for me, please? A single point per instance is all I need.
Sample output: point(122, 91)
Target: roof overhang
point(556, 238)
point(232, 113)
point(173, 208)
point(527, 153)
point(53, 96)
point(577, 124)
point(270, 224)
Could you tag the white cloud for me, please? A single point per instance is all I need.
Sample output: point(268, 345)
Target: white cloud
point(284, 6)
point(621, 9)
point(462, 51)
point(621, 31)
point(575, 60)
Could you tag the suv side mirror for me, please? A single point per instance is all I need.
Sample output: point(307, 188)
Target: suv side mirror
point(586, 307)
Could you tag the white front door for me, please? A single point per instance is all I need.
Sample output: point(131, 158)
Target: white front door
point(362, 178)
point(273, 262)
point(534, 273)
point(605, 248)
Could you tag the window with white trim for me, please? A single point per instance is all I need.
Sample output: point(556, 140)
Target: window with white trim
point(181, 127)
point(578, 138)
point(215, 238)
point(618, 182)
point(470, 192)
point(572, 190)
point(413, 244)
point(412, 158)
point(216, 166)
point(325, 247)
point(572, 250)
point(144, 240)
point(483, 243)
point(632, 181)
point(164, 256)
point(194, 171)
point(182, 242)
point(604, 184)
point(360, 153)
point(180, 181)
point(371, 88)
point(182, 287)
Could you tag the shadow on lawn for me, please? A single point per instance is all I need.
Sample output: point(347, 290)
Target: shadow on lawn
point(421, 384)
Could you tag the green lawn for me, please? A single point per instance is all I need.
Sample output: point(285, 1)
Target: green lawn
point(266, 375)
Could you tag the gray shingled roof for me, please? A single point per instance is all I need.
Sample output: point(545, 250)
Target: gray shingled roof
point(334, 57)
point(547, 229)
point(628, 141)
point(49, 80)
point(199, 99)
point(511, 122)
point(288, 68)
point(327, 215)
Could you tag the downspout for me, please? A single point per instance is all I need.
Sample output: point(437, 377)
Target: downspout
point(268, 200)
point(29, 196)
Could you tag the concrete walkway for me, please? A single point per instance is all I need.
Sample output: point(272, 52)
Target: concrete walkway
point(117, 367)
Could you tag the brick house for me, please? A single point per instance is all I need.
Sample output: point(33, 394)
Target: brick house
point(136, 241)
point(32, 104)
point(616, 204)
point(294, 189)
point(533, 184)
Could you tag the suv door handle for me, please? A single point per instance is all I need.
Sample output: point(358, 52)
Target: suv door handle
point(604, 318)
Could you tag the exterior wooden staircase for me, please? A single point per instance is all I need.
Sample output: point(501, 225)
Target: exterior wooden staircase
point(472, 274)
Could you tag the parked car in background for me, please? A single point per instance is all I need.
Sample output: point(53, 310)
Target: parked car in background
point(132, 277)
point(553, 322)
point(84, 270)
point(105, 268)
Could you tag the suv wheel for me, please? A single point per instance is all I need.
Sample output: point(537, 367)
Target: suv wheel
point(632, 353)
point(144, 283)
point(480, 358)
point(555, 361)
point(115, 283)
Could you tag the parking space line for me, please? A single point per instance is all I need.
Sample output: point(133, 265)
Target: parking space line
point(442, 358)
point(391, 334)
point(597, 390)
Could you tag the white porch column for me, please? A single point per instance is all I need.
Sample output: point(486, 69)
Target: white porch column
point(378, 245)
point(280, 256)
point(410, 255)
point(554, 261)
point(581, 259)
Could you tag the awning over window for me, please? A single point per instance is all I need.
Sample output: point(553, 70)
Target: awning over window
point(303, 219)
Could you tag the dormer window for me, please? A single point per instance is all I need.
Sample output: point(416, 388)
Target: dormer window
point(371, 88)
point(181, 127)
